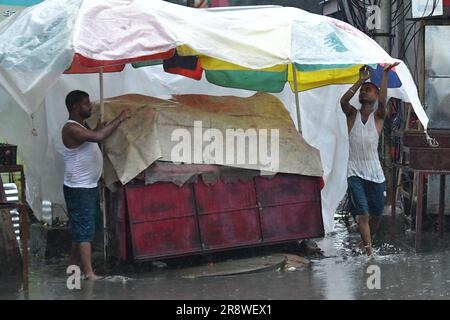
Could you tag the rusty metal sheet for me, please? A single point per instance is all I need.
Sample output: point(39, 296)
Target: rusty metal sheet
point(290, 207)
point(429, 159)
point(228, 214)
point(166, 220)
point(418, 139)
point(162, 220)
point(291, 222)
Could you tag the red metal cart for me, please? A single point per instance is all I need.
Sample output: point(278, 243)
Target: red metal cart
point(164, 220)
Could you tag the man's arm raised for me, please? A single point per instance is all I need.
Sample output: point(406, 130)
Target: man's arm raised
point(381, 111)
point(81, 135)
point(348, 109)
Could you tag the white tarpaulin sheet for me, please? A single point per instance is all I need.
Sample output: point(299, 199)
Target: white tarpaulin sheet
point(324, 127)
point(37, 45)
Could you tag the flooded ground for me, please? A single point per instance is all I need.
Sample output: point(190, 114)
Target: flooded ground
point(342, 274)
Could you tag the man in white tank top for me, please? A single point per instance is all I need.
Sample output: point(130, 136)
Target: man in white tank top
point(365, 176)
point(83, 165)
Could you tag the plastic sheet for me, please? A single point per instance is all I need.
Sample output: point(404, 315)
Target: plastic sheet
point(38, 45)
point(35, 49)
point(324, 127)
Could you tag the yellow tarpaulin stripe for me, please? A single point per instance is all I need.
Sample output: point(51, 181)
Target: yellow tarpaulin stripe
point(213, 64)
point(316, 79)
point(306, 80)
point(209, 63)
point(185, 50)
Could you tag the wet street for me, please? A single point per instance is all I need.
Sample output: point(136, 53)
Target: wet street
point(342, 274)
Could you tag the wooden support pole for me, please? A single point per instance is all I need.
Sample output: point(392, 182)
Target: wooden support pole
point(441, 205)
point(23, 218)
point(2, 192)
point(102, 186)
point(419, 209)
point(297, 98)
point(23, 211)
point(394, 195)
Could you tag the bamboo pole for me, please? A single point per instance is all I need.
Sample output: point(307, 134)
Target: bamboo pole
point(297, 99)
point(102, 187)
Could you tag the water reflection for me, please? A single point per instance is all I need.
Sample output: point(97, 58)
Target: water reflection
point(405, 274)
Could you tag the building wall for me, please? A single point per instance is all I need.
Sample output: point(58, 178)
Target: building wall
point(407, 36)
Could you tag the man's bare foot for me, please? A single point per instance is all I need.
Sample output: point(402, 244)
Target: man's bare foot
point(369, 250)
point(92, 277)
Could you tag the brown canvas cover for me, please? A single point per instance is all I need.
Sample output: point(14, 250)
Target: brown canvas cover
point(148, 136)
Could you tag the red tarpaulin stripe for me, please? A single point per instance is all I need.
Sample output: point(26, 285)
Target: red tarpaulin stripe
point(321, 183)
point(195, 74)
point(92, 63)
point(81, 64)
point(76, 68)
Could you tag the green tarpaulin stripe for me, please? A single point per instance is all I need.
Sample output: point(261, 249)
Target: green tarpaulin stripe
point(146, 63)
point(261, 81)
point(318, 67)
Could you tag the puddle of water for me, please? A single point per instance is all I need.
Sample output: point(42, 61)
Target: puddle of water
point(122, 279)
point(404, 273)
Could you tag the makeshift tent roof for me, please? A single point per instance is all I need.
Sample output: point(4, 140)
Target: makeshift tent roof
point(248, 49)
point(245, 49)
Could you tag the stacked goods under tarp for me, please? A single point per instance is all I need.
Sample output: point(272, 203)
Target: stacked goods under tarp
point(161, 209)
point(148, 136)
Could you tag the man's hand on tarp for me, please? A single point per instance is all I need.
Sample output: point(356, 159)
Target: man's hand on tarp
point(364, 73)
point(389, 66)
point(124, 115)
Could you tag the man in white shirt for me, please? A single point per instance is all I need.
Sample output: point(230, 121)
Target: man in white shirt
point(83, 165)
point(366, 179)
